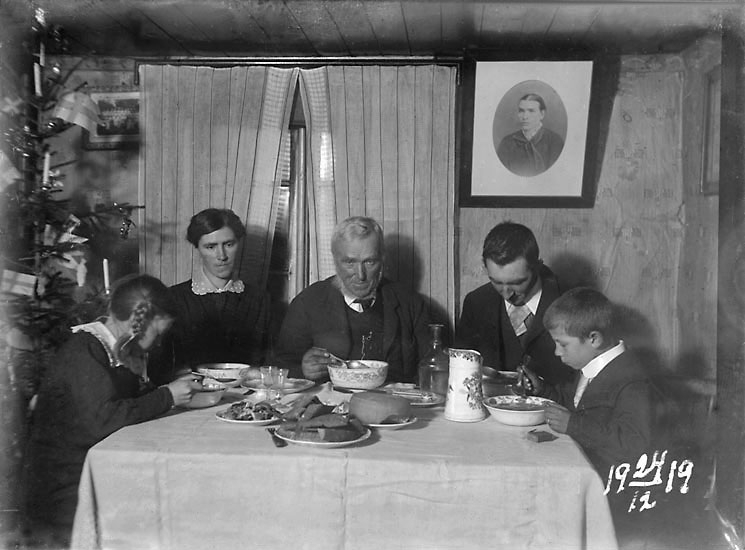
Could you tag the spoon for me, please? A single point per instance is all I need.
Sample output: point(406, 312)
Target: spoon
point(336, 359)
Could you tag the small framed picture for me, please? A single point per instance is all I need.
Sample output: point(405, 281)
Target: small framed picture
point(120, 120)
point(524, 134)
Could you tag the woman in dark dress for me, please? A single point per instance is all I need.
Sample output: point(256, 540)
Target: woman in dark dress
point(97, 384)
point(219, 317)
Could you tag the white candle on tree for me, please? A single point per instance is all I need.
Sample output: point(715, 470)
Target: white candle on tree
point(106, 285)
point(45, 173)
point(37, 79)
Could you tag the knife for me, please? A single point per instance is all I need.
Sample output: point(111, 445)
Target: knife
point(278, 441)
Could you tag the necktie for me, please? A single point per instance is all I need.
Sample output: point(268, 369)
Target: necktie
point(581, 386)
point(520, 317)
point(365, 303)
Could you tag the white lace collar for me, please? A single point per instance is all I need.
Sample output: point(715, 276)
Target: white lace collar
point(201, 285)
point(104, 336)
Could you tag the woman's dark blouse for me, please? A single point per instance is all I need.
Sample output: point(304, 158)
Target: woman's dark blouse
point(222, 327)
point(82, 399)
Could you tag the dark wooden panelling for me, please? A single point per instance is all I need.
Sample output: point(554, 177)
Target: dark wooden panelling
point(423, 27)
point(354, 26)
point(319, 27)
point(366, 27)
point(387, 22)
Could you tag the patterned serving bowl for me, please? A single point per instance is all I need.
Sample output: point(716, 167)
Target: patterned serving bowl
point(366, 375)
point(514, 410)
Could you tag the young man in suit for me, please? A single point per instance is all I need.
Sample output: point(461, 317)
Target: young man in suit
point(503, 319)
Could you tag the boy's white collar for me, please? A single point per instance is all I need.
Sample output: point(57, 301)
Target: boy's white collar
point(593, 368)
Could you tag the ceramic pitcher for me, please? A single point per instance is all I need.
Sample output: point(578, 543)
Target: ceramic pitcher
point(464, 398)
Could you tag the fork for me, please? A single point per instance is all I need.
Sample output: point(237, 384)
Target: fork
point(278, 441)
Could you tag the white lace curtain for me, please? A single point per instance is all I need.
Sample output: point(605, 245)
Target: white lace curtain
point(382, 144)
point(211, 138)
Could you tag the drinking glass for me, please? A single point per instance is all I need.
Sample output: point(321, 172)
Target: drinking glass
point(278, 381)
point(267, 380)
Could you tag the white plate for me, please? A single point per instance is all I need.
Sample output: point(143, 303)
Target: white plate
point(342, 389)
point(292, 385)
point(393, 426)
point(421, 401)
point(220, 416)
point(325, 444)
point(414, 395)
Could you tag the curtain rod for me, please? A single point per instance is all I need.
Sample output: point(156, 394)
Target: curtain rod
point(317, 61)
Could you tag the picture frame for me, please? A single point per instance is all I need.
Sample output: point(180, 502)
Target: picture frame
point(504, 99)
point(120, 120)
point(712, 124)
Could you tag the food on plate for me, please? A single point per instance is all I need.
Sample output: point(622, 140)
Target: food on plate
point(332, 427)
point(299, 406)
point(247, 411)
point(314, 410)
point(311, 420)
point(379, 408)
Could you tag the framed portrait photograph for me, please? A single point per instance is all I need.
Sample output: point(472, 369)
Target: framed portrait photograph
point(120, 120)
point(524, 134)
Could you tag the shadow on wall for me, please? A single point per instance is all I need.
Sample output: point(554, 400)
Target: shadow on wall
point(404, 265)
point(573, 270)
point(255, 250)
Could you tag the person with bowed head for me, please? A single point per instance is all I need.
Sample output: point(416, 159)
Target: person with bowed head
point(97, 384)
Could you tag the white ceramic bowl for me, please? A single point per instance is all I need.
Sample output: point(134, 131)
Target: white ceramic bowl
point(208, 396)
point(231, 374)
point(371, 375)
point(514, 410)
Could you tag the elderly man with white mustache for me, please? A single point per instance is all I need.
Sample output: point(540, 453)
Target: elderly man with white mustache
point(355, 313)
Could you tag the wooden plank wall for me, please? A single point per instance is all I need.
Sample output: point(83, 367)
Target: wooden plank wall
point(629, 245)
point(697, 288)
point(730, 472)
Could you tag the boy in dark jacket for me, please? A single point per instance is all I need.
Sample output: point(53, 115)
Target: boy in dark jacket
point(607, 407)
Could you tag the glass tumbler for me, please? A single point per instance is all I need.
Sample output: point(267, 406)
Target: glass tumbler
point(267, 381)
point(279, 376)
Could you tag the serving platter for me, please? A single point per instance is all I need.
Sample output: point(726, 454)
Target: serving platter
point(394, 426)
point(221, 416)
point(291, 385)
point(326, 444)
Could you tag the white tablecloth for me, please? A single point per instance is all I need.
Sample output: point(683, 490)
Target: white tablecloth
point(189, 480)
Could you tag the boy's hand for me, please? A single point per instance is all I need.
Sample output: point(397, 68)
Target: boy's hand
point(529, 381)
point(557, 417)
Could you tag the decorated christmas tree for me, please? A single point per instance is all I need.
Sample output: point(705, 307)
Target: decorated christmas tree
point(45, 247)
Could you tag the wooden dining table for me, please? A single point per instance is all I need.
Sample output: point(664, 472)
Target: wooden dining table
point(188, 480)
